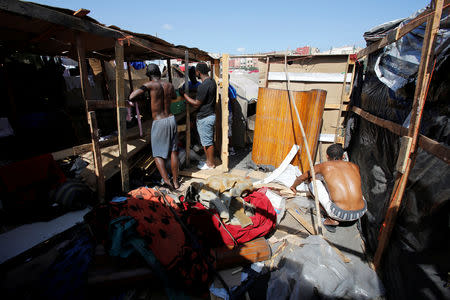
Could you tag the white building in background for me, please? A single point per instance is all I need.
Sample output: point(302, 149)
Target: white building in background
point(342, 50)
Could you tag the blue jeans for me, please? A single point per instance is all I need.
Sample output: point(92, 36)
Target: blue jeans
point(205, 128)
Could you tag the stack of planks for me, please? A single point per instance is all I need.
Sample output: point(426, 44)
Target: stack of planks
point(277, 129)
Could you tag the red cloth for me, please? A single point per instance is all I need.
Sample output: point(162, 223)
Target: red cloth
point(264, 221)
point(24, 183)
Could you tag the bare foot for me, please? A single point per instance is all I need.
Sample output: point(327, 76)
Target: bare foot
point(330, 222)
point(168, 185)
point(176, 185)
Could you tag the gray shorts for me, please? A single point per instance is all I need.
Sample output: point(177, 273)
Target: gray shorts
point(164, 137)
point(205, 128)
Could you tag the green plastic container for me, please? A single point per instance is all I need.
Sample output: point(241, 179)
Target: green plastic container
point(179, 105)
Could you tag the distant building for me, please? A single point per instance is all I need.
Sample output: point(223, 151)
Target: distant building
point(342, 50)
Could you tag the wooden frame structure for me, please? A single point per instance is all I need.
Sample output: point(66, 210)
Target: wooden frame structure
point(411, 136)
point(62, 32)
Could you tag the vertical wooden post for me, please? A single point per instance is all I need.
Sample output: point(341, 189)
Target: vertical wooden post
point(97, 156)
point(121, 117)
point(130, 79)
point(425, 69)
point(188, 109)
point(267, 71)
point(86, 93)
point(169, 70)
point(215, 74)
point(85, 88)
point(343, 94)
point(318, 225)
point(105, 85)
point(225, 112)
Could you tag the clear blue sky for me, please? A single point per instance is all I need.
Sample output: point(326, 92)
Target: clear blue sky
point(248, 26)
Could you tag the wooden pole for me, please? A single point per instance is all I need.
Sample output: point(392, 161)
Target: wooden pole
point(267, 72)
point(86, 93)
point(318, 225)
point(130, 79)
point(343, 94)
point(121, 117)
point(85, 88)
point(105, 85)
point(188, 109)
point(225, 112)
point(169, 70)
point(97, 157)
point(425, 69)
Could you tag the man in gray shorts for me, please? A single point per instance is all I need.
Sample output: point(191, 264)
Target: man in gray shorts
point(340, 195)
point(164, 127)
point(206, 116)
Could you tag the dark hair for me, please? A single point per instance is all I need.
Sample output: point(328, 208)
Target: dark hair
point(335, 152)
point(202, 68)
point(153, 71)
point(192, 74)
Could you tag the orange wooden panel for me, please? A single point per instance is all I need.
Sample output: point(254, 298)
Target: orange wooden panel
point(277, 128)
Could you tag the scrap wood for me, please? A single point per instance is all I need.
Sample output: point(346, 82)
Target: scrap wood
point(310, 229)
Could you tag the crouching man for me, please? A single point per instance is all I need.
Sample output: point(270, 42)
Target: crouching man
point(339, 188)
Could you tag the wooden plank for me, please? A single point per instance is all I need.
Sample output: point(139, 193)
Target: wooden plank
point(105, 86)
point(275, 129)
point(425, 69)
point(296, 215)
point(403, 154)
point(81, 149)
point(130, 79)
point(166, 51)
point(97, 157)
point(82, 12)
point(225, 112)
point(100, 104)
point(267, 71)
point(121, 117)
point(431, 146)
point(188, 109)
point(85, 87)
point(169, 70)
point(343, 96)
point(218, 134)
point(396, 34)
point(49, 15)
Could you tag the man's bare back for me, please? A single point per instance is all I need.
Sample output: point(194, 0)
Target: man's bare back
point(344, 183)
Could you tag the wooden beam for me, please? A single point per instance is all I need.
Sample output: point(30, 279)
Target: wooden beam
point(296, 215)
point(343, 96)
point(166, 51)
point(267, 71)
point(431, 146)
point(105, 85)
point(169, 70)
point(397, 33)
point(84, 148)
point(100, 104)
point(225, 112)
point(81, 12)
point(53, 16)
point(85, 87)
point(188, 110)
point(425, 69)
point(97, 157)
point(130, 79)
point(121, 117)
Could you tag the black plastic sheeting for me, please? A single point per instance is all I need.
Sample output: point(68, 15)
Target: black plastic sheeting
point(416, 263)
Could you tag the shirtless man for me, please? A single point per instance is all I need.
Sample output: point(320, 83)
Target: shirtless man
point(164, 134)
point(340, 194)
